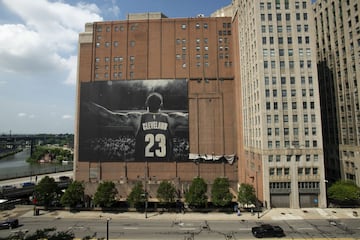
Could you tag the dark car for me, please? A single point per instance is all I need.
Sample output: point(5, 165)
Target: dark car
point(267, 230)
point(9, 223)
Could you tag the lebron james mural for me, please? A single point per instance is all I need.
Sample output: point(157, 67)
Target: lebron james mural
point(137, 120)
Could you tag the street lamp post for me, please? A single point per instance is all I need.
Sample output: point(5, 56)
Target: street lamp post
point(107, 228)
point(257, 195)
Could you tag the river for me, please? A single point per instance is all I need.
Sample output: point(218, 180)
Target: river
point(15, 166)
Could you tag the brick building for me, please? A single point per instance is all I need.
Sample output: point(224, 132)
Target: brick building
point(151, 47)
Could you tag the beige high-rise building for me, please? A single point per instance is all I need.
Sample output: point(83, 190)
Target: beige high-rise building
point(282, 131)
point(338, 44)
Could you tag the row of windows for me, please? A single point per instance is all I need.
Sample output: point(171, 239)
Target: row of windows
point(287, 185)
point(285, 3)
point(116, 75)
point(286, 144)
point(290, 52)
point(293, 105)
point(275, 106)
point(116, 59)
point(289, 40)
point(286, 132)
point(286, 118)
point(291, 64)
point(284, 93)
point(299, 28)
point(133, 27)
point(279, 17)
point(298, 158)
point(283, 80)
point(286, 171)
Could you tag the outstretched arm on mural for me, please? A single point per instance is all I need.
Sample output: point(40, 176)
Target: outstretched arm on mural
point(131, 119)
point(178, 119)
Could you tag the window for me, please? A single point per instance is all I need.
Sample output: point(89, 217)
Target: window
point(295, 117)
point(286, 118)
point(305, 16)
point(306, 118)
point(287, 17)
point(304, 5)
point(313, 130)
point(183, 26)
point(270, 158)
point(313, 118)
point(292, 80)
point(299, 40)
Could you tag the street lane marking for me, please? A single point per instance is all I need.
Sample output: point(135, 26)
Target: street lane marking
point(131, 228)
point(244, 229)
point(306, 228)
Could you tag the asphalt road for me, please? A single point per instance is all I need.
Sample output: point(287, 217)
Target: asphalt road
point(187, 230)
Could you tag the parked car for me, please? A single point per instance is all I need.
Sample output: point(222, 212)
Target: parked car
point(27, 184)
point(267, 230)
point(9, 223)
point(64, 179)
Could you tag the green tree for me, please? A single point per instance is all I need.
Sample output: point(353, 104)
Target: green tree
point(105, 194)
point(220, 193)
point(196, 196)
point(166, 192)
point(47, 191)
point(136, 197)
point(73, 195)
point(47, 233)
point(344, 192)
point(246, 195)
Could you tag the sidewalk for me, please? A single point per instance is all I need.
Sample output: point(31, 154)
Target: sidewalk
point(272, 214)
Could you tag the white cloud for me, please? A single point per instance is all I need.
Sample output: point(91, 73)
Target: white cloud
point(22, 114)
point(114, 9)
point(46, 40)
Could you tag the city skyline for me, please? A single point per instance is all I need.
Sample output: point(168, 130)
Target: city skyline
point(39, 49)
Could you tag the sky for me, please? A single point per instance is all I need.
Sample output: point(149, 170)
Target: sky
point(38, 55)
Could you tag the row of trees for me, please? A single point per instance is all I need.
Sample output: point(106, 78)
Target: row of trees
point(47, 191)
point(56, 154)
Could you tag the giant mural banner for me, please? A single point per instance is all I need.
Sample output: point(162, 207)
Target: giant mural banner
point(134, 120)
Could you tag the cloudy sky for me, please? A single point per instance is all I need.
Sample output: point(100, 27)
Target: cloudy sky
point(38, 49)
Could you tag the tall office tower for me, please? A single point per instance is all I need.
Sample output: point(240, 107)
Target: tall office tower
point(338, 44)
point(282, 133)
point(123, 68)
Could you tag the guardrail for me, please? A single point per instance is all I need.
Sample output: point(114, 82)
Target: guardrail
point(19, 172)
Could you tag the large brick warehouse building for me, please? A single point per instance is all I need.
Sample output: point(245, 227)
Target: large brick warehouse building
point(239, 98)
point(189, 61)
